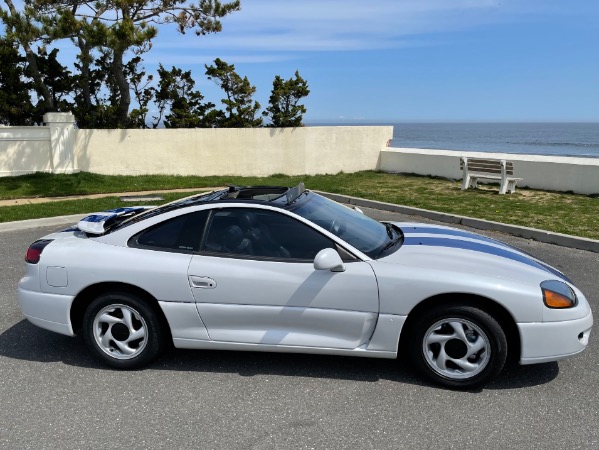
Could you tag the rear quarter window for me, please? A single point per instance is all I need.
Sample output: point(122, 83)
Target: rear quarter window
point(180, 234)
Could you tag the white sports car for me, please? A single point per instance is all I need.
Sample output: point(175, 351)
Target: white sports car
point(286, 270)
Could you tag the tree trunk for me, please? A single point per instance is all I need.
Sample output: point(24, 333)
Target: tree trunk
point(123, 87)
point(85, 59)
point(38, 80)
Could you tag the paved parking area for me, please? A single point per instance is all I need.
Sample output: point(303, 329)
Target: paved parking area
point(54, 395)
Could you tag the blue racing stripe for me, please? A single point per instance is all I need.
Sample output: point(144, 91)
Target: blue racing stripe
point(449, 232)
point(466, 234)
point(480, 247)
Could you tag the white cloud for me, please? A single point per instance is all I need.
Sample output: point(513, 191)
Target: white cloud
point(275, 30)
point(170, 58)
point(342, 25)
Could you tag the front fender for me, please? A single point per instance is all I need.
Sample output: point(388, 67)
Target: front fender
point(402, 288)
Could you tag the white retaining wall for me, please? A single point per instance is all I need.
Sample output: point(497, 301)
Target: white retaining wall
point(58, 147)
point(24, 150)
point(39, 149)
point(226, 151)
point(556, 173)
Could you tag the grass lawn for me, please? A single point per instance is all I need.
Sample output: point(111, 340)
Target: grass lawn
point(559, 212)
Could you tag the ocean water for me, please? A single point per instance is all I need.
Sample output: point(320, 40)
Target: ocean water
point(558, 139)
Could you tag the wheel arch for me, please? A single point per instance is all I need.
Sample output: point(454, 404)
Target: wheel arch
point(87, 295)
point(486, 304)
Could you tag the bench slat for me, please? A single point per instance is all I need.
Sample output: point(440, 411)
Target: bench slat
point(473, 164)
point(489, 169)
point(484, 170)
point(488, 166)
point(487, 163)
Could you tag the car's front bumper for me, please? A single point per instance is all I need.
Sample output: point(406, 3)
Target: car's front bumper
point(551, 341)
point(49, 311)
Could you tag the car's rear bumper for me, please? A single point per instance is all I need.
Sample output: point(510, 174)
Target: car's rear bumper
point(551, 341)
point(49, 311)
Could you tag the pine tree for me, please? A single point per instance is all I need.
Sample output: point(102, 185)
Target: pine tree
point(240, 108)
point(284, 109)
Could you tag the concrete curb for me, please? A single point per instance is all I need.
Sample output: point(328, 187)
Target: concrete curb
point(36, 200)
point(38, 223)
point(548, 237)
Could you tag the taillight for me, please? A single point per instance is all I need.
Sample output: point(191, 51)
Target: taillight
point(35, 251)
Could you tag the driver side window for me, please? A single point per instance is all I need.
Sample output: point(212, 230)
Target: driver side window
point(262, 234)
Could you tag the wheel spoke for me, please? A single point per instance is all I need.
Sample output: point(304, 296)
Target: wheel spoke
point(137, 334)
point(109, 319)
point(442, 359)
point(124, 348)
point(465, 365)
point(458, 328)
point(438, 338)
point(128, 319)
point(106, 338)
point(475, 347)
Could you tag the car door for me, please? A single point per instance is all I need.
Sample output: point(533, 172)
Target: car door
point(254, 282)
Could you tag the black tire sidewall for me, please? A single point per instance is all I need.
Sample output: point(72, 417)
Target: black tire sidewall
point(480, 318)
point(155, 340)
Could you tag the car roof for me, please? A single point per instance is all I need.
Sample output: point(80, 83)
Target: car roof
point(277, 196)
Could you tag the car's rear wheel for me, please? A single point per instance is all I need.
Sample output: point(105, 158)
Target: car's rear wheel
point(458, 346)
point(123, 330)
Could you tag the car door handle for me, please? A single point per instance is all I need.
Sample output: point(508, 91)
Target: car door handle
point(201, 282)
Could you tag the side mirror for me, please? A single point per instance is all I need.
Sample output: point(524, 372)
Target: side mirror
point(329, 259)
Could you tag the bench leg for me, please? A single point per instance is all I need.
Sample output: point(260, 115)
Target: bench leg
point(508, 187)
point(466, 182)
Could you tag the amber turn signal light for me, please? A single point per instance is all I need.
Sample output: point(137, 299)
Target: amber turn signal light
point(555, 300)
point(557, 294)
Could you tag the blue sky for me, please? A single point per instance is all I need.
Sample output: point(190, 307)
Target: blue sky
point(409, 60)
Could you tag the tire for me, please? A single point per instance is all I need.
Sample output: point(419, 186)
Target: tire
point(123, 330)
point(460, 347)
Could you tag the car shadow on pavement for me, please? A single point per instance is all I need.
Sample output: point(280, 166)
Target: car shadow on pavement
point(23, 341)
point(27, 342)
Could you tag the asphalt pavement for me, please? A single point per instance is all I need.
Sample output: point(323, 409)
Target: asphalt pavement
point(53, 394)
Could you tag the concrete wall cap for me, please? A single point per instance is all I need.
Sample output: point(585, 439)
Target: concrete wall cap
point(56, 117)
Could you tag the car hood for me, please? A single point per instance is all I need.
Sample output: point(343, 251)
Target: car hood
point(439, 247)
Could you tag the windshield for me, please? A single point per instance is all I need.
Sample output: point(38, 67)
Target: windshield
point(360, 231)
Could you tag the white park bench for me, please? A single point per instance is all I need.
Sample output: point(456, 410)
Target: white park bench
point(489, 169)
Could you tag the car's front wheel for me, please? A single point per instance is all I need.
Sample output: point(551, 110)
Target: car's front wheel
point(458, 346)
point(123, 330)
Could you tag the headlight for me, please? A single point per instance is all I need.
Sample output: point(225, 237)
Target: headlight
point(557, 294)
